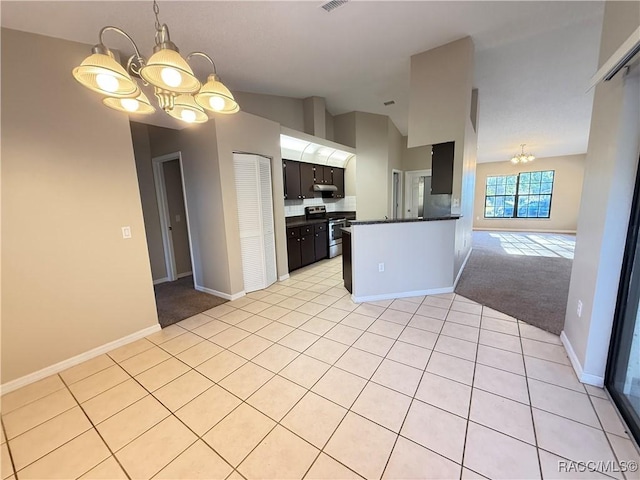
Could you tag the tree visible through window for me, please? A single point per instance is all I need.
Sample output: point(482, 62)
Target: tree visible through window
point(525, 195)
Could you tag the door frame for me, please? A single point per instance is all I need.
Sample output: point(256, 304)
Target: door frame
point(396, 194)
point(408, 187)
point(163, 210)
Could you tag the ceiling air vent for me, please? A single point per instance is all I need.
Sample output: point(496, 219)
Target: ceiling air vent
point(390, 102)
point(333, 4)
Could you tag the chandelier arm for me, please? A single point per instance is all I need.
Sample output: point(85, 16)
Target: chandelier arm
point(138, 56)
point(204, 55)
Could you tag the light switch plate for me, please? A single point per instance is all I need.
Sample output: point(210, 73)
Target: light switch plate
point(126, 232)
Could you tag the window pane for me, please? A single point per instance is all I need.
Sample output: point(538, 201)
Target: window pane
point(546, 188)
point(510, 189)
point(491, 190)
point(534, 188)
point(535, 176)
point(500, 190)
point(525, 177)
point(491, 181)
point(523, 189)
point(547, 176)
point(488, 212)
point(512, 179)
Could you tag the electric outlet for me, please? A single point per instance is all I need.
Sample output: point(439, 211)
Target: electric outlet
point(381, 267)
point(126, 232)
point(579, 310)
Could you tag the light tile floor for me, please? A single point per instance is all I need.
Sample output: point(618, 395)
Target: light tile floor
point(299, 382)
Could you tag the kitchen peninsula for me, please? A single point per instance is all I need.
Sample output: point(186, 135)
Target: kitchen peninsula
point(400, 258)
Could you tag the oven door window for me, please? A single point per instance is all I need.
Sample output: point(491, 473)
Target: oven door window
point(336, 230)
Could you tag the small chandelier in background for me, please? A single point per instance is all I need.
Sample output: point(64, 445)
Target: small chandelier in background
point(522, 157)
point(179, 93)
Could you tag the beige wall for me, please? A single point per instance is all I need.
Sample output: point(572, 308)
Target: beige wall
point(177, 216)
point(372, 174)
point(567, 190)
point(287, 111)
point(71, 283)
point(344, 129)
point(610, 169)
point(416, 158)
point(146, 184)
point(248, 133)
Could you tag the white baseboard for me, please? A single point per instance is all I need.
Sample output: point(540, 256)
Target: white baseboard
point(161, 280)
point(523, 230)
point(78, 359)
point(226, 296)
point(589, 379)
point(391, 296)
point(185, 274)
point(455, 283)
point(283, 277)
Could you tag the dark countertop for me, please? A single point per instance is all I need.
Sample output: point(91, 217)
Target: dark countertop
point(404, 220)
point(301, 221)
point(304, 222)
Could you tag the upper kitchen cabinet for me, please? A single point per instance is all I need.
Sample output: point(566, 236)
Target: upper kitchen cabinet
point(291, 172)
point(307, 176)
point(298, 180)
point(323, 174)
point(442, 168)
point(338, 181)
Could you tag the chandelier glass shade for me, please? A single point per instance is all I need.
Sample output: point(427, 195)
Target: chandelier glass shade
point(522, 157)
point(186, 109)
point(101, 73)
point(140, 104)
point(216, 97)
point(177, 89)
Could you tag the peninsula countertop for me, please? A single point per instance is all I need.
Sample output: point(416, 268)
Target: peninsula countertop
point(404, 220)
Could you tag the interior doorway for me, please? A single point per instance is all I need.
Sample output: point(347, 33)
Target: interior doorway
point(174, 223)
point(396, 194)
point(414, 192)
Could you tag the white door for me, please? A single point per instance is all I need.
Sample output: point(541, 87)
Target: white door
point(414, 192)
point(255, 220)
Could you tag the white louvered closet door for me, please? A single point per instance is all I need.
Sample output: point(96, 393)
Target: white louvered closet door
point(255, 219)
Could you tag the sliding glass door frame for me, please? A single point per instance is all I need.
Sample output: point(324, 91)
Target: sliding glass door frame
point(628, 303)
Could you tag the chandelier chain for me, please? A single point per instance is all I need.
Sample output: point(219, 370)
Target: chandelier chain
point(156, 11)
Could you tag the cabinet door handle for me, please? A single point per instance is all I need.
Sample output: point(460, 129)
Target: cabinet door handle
point(298, 239)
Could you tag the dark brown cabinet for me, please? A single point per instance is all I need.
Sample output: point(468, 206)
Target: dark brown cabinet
point(321, 240)
point(293, 248)
point(338, 181)
point(306, 180)
point(307, 244)
point(291, 174)
point(323, 174)
point(346, 260)
point(298, 178)
point(442, 168)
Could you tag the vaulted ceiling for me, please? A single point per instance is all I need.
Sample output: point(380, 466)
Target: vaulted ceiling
point(533, 59)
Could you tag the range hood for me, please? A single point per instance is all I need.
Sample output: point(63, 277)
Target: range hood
point(306, 148)
point(324, 188)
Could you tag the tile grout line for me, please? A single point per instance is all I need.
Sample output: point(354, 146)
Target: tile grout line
point(6, 440)
point(413, 398)
point(473, 381)
point(112, 453)
point(533, 423)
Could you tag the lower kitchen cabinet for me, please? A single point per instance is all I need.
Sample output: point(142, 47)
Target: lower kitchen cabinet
point(306, 245)
point(321, 241)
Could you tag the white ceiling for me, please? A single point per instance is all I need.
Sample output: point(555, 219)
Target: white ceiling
point(533, 59)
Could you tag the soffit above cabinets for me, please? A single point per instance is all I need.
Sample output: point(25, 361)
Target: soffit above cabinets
point(306, 148)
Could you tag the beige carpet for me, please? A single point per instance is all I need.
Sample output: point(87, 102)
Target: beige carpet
point(523, 275)
point(178, 300)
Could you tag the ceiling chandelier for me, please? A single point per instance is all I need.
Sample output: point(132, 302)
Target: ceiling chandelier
point(522, 157)
point(179, 92)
